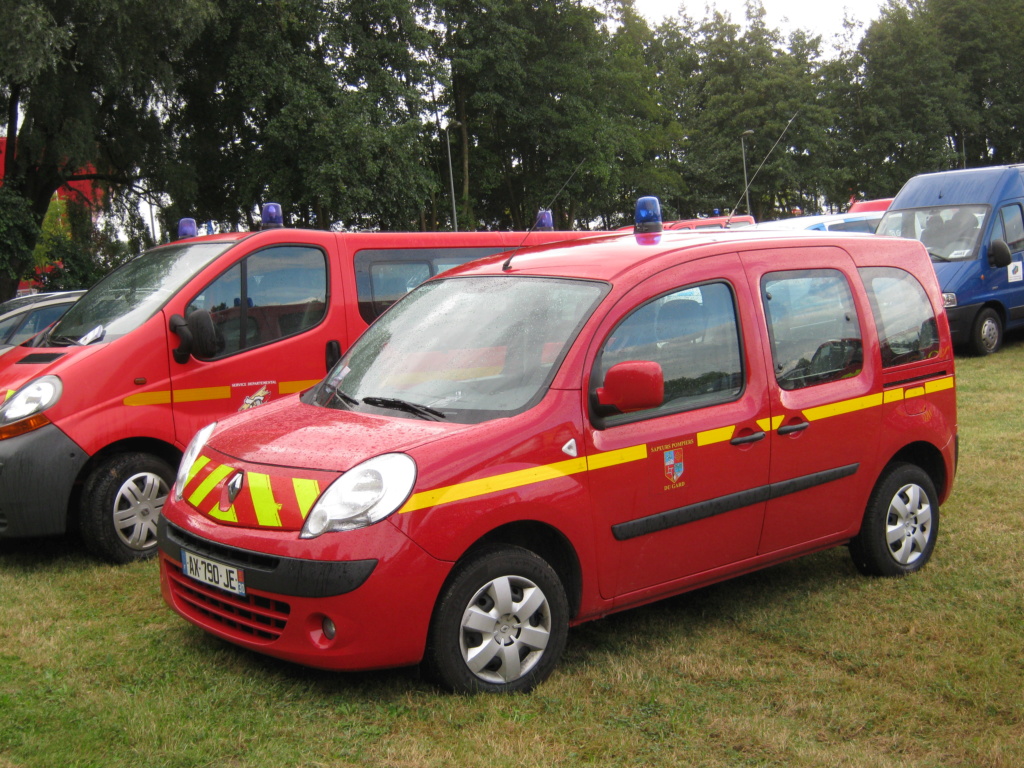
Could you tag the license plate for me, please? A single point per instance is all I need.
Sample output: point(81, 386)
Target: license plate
point(219, 575)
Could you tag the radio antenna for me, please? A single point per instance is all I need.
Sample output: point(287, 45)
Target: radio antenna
point(508, 261)
point(758, 170)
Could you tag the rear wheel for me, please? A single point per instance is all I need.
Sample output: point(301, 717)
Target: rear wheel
point(900, 525)
point(121, 504)
point(987, 332)
point(500, 624)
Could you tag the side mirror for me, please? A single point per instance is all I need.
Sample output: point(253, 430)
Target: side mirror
point(634, 385)
point(999, 254)
point(198, 335)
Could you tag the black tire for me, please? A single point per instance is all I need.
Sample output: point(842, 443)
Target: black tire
point(901, 524)
point(121, 503)
point(987, 332)
point(481, 641)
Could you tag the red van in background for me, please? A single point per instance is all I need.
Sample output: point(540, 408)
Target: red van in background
point(95, 413)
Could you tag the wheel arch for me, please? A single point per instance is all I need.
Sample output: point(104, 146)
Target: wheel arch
point(158, 448)
point(929, 458)
point(545, 541)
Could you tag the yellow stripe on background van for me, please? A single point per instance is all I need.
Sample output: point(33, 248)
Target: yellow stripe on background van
point(288, 387)
point(159, 397)
point(201, 393)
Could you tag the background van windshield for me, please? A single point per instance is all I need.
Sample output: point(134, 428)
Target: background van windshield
point(949, 233)
point(130, 295)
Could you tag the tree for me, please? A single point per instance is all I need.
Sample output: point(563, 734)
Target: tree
point(79, 107)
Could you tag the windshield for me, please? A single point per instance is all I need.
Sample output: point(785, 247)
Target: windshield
point(463, 349)
point(949, 233)
point(131, 294)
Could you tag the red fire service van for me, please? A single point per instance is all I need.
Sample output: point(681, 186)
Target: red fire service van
point(540, 439)
point(95, 413)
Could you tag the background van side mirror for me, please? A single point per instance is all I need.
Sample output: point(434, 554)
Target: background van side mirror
point(198, 335)
point(999, 254)
point(634, 385)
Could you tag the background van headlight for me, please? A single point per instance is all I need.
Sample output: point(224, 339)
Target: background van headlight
point(28, 402)
point(364, 495)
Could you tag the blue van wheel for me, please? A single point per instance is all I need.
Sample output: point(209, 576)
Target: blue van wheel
point(987, 332)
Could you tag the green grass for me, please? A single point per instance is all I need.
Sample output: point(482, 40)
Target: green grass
point(805, 664)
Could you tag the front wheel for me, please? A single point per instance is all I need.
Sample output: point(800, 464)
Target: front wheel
point(500, 624)
point(900, 524)
point(121, 504)
point(987, 332)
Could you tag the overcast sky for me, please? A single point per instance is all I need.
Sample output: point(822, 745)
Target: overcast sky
point(824, 17)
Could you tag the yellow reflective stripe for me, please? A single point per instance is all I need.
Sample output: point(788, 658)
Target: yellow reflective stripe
point(913, 392)
point(287, 387)
point(197, 465)
point(306, 493)
point(209, 483)
point(7, 394)
point(266, 507)
point(711, 436)
point(843, 406)
point(893, 395)
point(769, 425)
point(228, 516)
point(613, 458)
point(486, 485)
point(160, 397)
point(201, 393)
point(939, 385)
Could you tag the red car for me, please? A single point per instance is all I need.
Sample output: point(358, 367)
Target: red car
point(540, 439)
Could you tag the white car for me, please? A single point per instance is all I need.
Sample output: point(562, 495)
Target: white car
point(863, 221)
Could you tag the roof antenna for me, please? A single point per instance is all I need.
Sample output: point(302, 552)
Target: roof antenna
point(747, 187)
point(508, 261)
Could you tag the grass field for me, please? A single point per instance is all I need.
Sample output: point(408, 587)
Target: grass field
point(806, 664)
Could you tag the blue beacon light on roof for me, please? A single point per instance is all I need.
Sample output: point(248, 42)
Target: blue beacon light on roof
point(648, 216)
point(272, 216)
point(187, 228)
point(545, 222)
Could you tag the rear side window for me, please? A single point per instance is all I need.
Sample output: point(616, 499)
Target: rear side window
point(273, 293)
point(1010, 227)
point(694, 335)
point(813, 326)
point(907, 329)
point(383, 276)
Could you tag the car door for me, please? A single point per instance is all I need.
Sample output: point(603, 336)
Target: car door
point(678, 489)
point(1008, 225)
point(269, 313)
point(826, 393)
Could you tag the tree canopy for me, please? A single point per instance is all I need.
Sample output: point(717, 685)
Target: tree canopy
point(370, 113)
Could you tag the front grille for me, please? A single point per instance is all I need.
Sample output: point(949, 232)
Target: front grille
point(232, 555)
point(248, 618)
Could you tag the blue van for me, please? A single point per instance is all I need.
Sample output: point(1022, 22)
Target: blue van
point(972, 223)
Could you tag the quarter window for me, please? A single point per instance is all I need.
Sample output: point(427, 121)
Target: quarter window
point(1010, 227)
point(812, 322)
point(267, 296)
point(907, 329)
point(694, 335)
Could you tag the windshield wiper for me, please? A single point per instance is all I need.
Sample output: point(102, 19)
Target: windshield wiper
point(937, 256)
point(423, 411)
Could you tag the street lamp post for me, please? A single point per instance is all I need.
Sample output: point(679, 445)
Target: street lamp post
point(746, 184)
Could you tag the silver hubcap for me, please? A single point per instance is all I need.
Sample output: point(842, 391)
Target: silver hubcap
point(909, 524)
point(505, 629)
point(137, 507)
point(990, 333)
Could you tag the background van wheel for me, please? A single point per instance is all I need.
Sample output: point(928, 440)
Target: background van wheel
point(121, 503)
point(900, 524)
point(987, 332)
point(499, 625)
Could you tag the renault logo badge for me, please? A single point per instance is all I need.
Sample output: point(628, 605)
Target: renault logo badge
point(235, 485)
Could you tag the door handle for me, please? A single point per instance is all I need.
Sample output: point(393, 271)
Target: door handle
point(791, 428)
point(751, 438)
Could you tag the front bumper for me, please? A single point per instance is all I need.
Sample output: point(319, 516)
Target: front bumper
point(961, 322)
point(380, 605)
point(37, 473)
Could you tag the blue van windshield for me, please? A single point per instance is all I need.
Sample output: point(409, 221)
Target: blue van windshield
point(131, 294)
point(950, 233)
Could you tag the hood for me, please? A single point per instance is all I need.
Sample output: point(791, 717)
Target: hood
point(290, 433)
point(20, 365)
point(949, 273)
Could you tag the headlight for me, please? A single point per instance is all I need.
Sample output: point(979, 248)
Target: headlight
point(949, 300)
point(28, 402)
point(364, 495)
point(191, 454)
